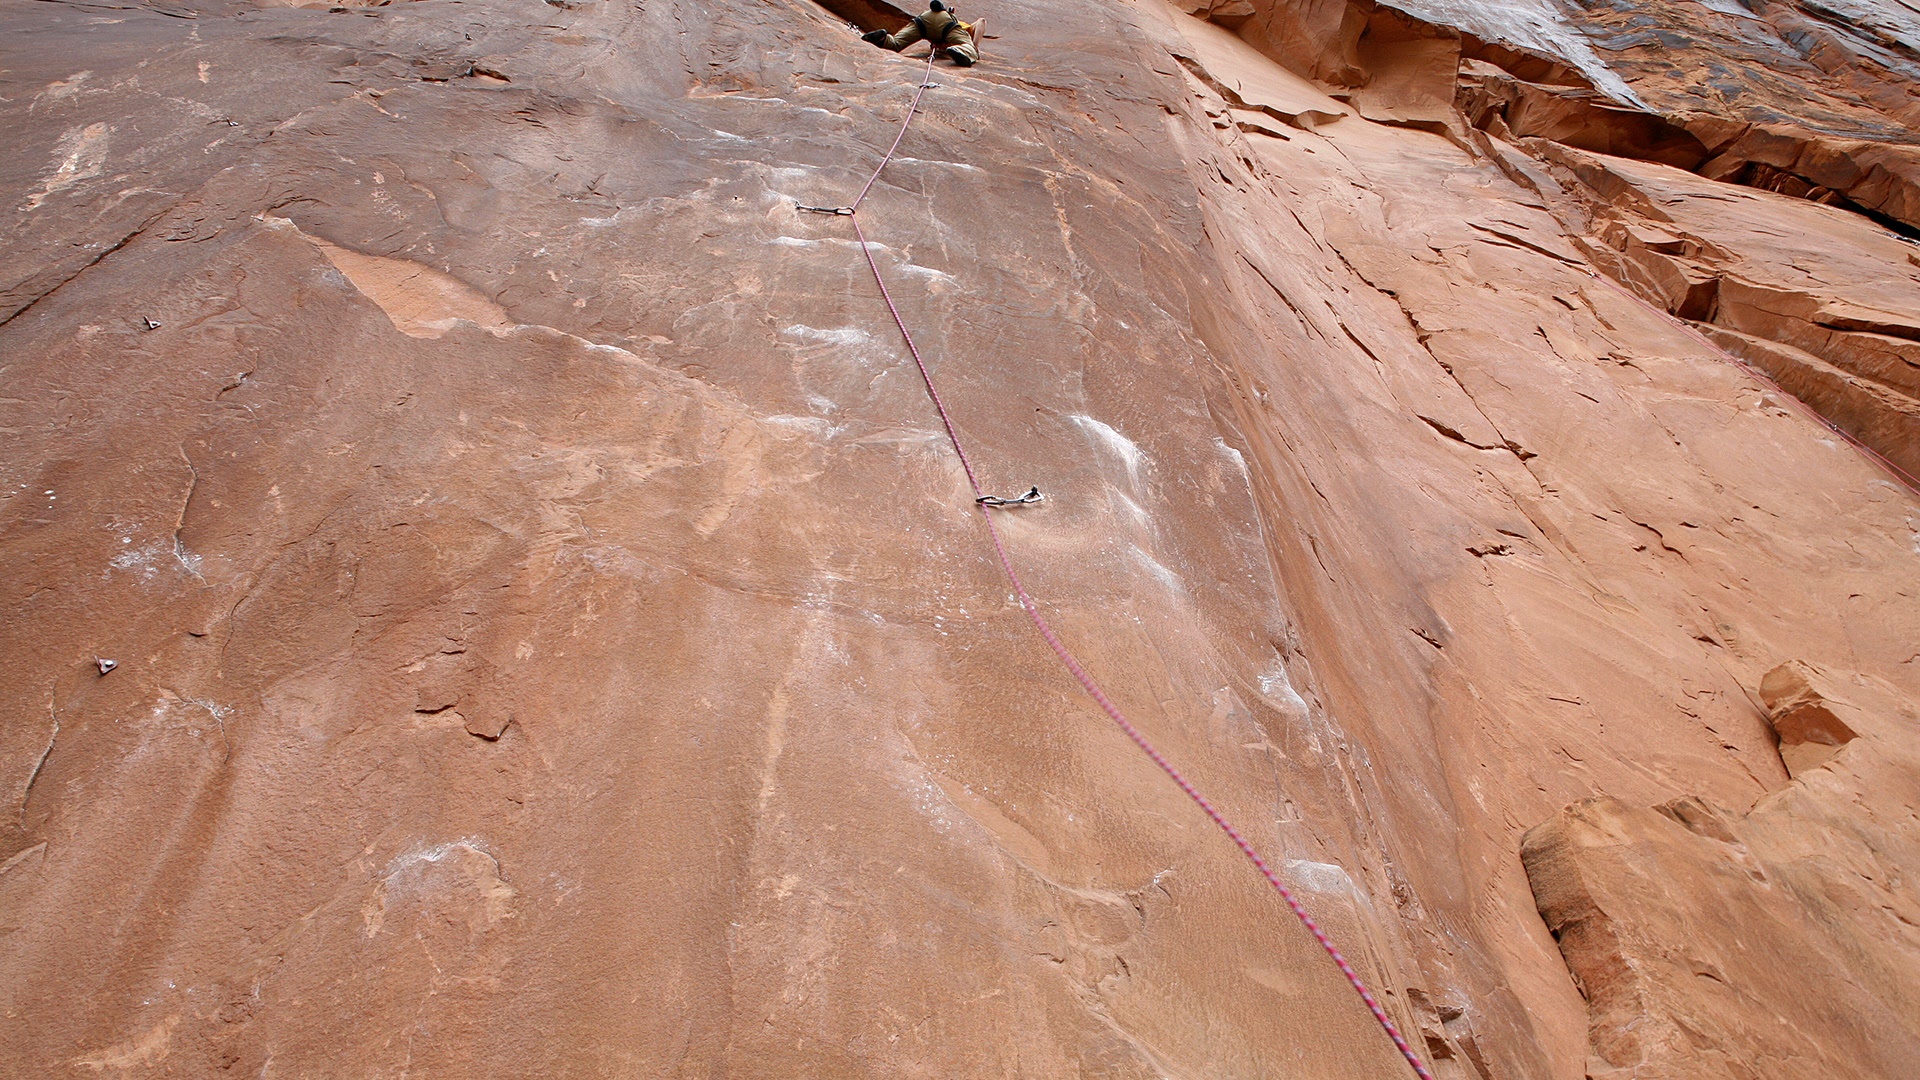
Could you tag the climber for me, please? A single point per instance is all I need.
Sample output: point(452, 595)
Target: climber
point(940, 28)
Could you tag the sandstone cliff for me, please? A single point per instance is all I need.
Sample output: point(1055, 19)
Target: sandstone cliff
point(551, 636)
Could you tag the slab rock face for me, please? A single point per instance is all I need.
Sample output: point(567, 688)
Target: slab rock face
point(484, 590)
point(1808, 101)
point(1775, 942)
point(1701, 954)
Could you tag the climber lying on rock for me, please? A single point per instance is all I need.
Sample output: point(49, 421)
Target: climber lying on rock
point(939, 27)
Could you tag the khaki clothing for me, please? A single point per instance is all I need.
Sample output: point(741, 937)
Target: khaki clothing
point(941, 29)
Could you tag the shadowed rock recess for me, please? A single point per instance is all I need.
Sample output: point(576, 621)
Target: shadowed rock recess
point(550, 635)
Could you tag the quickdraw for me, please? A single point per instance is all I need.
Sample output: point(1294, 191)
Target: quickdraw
point(1032, 496)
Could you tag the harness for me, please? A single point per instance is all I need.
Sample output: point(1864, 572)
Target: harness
point(947, 27)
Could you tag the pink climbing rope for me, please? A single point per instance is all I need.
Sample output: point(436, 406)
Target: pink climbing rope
point(1906, 479)
point(926, 83)
point(1071, 662)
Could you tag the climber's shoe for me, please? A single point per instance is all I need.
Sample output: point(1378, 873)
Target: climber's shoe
point(874, 37)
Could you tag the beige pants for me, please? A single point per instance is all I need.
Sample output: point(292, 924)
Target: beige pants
point(960, 44)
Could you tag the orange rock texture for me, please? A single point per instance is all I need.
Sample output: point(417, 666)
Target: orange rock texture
point(487, 594)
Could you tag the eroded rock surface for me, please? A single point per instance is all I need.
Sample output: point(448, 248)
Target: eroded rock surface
point(1806, 715)
point(552, 636)
point(1809, 975)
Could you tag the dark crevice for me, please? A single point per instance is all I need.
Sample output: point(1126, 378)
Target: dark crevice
point(867, 14)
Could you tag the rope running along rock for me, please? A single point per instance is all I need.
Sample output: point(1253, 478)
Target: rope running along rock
point(1053, 641)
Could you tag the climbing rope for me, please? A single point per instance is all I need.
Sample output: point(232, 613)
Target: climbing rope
point(985, 504)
